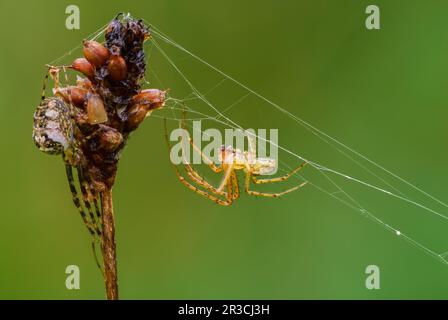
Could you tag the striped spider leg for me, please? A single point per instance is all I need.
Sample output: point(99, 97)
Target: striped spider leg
point(88, 200)
point(218, 196)
point(52, 72)
point(251, 175)
point(54, 111)
point(91, 224)
point(57, 112)
point(73, 155)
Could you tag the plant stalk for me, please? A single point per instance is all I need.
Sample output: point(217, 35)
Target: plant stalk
point(108, 246)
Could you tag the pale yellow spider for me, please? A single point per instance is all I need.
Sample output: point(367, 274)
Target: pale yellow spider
point(232, 160)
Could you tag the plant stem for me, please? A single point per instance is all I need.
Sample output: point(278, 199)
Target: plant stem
point(108, 246)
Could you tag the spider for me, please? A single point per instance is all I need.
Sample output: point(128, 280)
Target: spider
point(232, 160)
point(53, 133)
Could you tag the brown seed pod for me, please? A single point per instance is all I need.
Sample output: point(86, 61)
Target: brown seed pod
point(109, 138)
point(75, 95)
point(96, 113)
point(154, 98)
point(84, 66)
point(117, 68)
point(136, 115)
point(95, 53)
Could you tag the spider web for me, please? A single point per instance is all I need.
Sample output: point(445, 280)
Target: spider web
point(333, 177)
point(352, 178)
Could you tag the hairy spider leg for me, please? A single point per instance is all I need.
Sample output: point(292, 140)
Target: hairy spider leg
point(235, 186)
point(229, 175)
point(204, 157)
point(85, 189)
point(97, 208)
point(77, 202)
point(278, 179)
point(86, 199)
point(265, 194)
point(55, 78)
point(44, 86)
point(195, 176)
point(201, 192)
point(228, 171)
point(190, 185)
point(76, 199)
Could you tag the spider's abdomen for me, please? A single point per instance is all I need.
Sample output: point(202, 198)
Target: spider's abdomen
point(53, 128)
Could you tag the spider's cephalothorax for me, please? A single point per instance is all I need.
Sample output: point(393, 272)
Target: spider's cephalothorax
point(53, 128)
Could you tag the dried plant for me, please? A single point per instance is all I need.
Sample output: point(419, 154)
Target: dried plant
point(89, 123)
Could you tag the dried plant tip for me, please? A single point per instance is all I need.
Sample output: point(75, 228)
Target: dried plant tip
point(84, 66)
point(96, 113)
point(136, 115)
point(154, 98)
point(74, 95)
point(114, 29)
point(117, 68)
point(95, 53)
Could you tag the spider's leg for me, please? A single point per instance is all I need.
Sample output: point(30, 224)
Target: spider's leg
point(264, 194)
point(44, 85)
point(93, 195)
point(97, 261)
point(100, 226)
point(98, 216)
point(235, 186)
point(86, 199)
point(97, 209)
point(54, 76)
point(278, 179)
point(195, 176)
point(204, 157)
point(199, 181)
point(231, 190)
point(201, 192)
point(76, 200)
point(225, 180)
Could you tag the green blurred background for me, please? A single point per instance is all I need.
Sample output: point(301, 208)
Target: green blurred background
point(381, 92)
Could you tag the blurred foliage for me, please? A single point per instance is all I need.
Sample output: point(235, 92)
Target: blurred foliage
point(382, 92)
